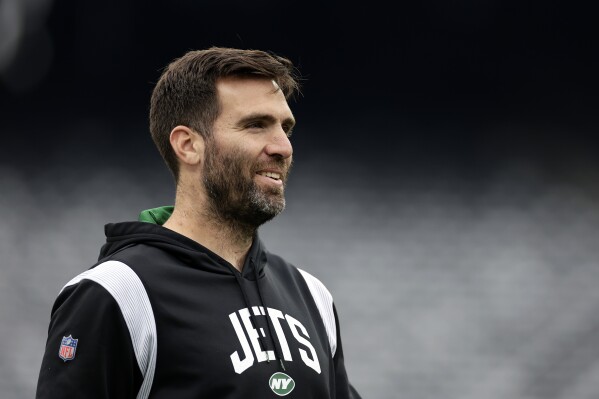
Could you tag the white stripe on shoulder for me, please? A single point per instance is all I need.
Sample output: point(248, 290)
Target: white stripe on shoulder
point(129, 293)
point(324, 302)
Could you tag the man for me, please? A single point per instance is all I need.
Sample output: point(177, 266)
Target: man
point(187, 302)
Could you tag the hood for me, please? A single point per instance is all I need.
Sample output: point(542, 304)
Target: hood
point(149, 231)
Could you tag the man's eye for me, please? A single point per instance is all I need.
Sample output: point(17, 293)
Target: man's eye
point(288, 130)
point(255, 125)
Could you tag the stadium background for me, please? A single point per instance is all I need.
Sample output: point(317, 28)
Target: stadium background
point(446, 179)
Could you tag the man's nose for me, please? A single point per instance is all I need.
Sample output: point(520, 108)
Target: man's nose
point(279, 145)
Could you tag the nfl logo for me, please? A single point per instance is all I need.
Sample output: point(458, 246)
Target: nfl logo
point(68, 346)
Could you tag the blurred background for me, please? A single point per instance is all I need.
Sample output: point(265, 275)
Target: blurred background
point(445, 189)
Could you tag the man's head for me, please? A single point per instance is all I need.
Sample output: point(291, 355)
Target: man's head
point(186, 91)
point(221, 120)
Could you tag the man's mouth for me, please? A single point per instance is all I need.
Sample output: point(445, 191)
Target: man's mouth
point(272, 175)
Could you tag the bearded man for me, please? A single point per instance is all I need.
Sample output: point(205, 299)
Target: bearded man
point(187, 302)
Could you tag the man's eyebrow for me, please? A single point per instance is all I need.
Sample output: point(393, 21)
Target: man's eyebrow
point(290, 122)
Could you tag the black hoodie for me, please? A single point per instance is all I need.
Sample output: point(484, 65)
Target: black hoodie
point(161, 316)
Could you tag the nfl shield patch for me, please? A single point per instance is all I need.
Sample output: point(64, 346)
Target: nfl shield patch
point(68, 346)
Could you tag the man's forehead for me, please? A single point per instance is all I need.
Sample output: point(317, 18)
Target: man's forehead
point(247, 90)
point(240, 96)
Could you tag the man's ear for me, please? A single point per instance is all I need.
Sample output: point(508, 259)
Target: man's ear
point(188, 145)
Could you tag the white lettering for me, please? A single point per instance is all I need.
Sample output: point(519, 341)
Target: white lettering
point(299, 332)
point(275, 315)
point(294, 324)
point(286, 382)
point(278, 383)
point(241, 365)
point(261, 356)
point(275, 383)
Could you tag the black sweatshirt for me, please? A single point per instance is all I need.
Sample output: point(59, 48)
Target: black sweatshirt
point(161, 316)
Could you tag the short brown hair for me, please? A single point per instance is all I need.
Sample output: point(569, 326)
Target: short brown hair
point(186, 91)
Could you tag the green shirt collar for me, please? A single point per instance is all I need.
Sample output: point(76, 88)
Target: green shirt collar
point(156, 215)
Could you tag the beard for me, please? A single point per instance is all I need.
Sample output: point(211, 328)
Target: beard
point(234, 197)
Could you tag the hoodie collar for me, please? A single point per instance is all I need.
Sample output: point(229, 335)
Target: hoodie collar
point(256, 257)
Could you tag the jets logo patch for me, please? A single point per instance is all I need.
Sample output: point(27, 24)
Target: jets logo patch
point(68, 347)
point(281, 384)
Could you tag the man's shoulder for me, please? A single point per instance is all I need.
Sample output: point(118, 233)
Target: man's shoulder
point(145, 260)
point(279, 264)
point(134, 252)
point(115, 274)
point(116, 277)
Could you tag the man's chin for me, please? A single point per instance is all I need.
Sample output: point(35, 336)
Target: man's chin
point(273, 207)
point(269, 206)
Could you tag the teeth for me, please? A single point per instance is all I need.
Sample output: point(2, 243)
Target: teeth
point(272, 175)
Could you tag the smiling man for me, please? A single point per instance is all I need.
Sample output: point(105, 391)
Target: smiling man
point(245, 160)
point(187, 302)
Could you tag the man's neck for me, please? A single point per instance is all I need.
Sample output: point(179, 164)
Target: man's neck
point(230, 242)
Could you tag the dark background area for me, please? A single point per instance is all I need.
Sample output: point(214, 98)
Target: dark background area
point(445, 188)
point(463, 83)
